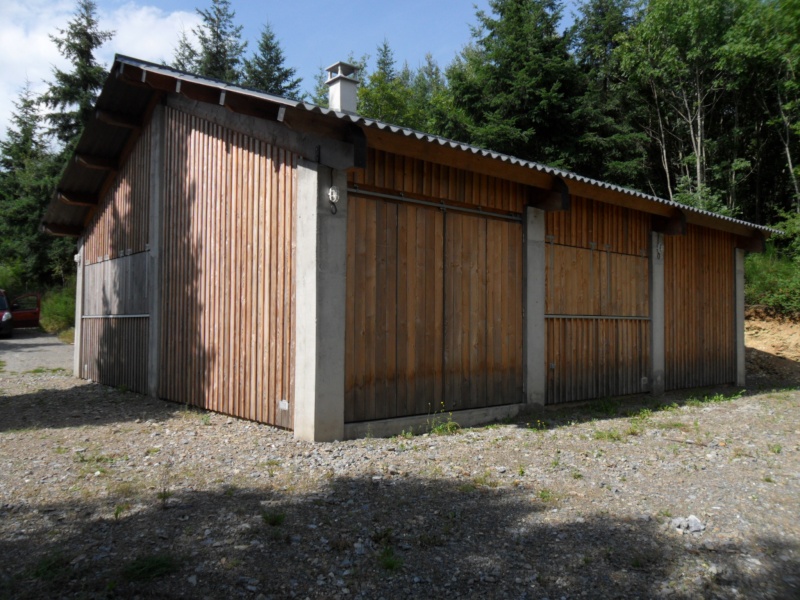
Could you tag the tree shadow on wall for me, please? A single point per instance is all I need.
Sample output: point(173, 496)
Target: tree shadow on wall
point(372, 537)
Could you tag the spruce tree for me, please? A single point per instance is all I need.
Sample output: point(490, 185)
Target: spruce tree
point(221, 47)
point(514, 86)
point(72, 94)
point(266, 70)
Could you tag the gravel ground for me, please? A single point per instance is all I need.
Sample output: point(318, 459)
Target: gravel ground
point(110, 494)
point(105, 493)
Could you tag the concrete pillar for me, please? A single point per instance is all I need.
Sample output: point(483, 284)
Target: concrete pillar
point(154, 249)
point(740, 363)
point(76, 352)
point(657, 324)
point(321, 279)
point(535, 375)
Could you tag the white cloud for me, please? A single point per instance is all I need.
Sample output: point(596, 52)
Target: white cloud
point(28, 53)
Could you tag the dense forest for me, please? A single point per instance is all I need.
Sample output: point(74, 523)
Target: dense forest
point(697, 101)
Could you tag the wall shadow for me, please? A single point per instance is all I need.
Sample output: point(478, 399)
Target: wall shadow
point(377, 538)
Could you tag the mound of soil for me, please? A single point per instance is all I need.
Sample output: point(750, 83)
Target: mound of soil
point(772, 346)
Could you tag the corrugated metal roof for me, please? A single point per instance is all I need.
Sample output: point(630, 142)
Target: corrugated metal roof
point(100, 139)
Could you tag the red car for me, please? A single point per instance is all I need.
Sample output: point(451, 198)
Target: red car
point(20, 312)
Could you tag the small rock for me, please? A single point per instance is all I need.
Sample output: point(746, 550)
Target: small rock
point(192, 579)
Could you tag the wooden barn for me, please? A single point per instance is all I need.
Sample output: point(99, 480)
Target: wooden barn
point(334, 275)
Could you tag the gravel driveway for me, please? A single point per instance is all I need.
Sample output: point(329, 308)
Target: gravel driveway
point(30, 349)
point(109, 494)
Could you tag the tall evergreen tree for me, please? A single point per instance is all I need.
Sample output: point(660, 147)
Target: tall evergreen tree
point(611, 148)
point(186, 56)
point(221, 47)
point(384, 94)
point(266, 70)
point(27, 173)
point(514, 87)
point(73, 93)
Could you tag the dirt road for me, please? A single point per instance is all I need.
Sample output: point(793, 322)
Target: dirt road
point(31, 349)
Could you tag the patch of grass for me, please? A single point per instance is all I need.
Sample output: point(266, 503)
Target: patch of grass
point(444, 427)
point(205, 418)
point(389, 560)
point(121, 508)
point(775, 448)
point(485, 479)
point(406, 434)
point(52, 567)
point(467, 487)
point(768, 479)
point(577, 475)
point(67, 336)
point(2, 366)
point(151, 566)
point(546, 495)
point(58, 308)
point(672, 425)
point(611, 435)
point(537, 425)
point(521, 471)
point(273, 519)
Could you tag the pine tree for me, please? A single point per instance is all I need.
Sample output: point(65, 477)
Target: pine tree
point(221, 46)
point(266, 70)
point(186, 56)
point(72, 94)
point(384, 94)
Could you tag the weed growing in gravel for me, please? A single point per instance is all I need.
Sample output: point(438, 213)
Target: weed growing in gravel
point(123, 489)
point(205, 419)
point(151, 566)
point(439, 425)
point(273, 519)
point(546, 495)
point(768, 479)
point(2, 366)
point(406, 434)
point(775, 448)
point(121, 508)
point(611, 435)
point(389, 561)
point(485, 479)
point(577, 475)
point(521, 471)
point(537, 425)
point(52, 567)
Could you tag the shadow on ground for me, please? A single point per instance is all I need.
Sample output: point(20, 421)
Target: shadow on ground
point(388, 537)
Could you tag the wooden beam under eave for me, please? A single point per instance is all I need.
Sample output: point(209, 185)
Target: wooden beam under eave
point(118, 119)
point(555, 199)
point(62, 230)
point(674, 225)
point(250, 106)
point(100, 163)
point(77, 198)
point(754, 243)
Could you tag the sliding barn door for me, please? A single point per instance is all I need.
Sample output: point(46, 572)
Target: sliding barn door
point(597, 302)
point(434, 310)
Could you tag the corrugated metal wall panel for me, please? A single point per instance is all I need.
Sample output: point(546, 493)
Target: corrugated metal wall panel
point(699, 280)
point(228, 296)
point(114, 351)
point(120, 226)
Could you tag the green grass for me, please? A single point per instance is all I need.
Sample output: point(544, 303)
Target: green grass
point(58, 308)
point(273, 519)
point(611, 435)
point(775, 448)
point(772, 280)
point(389, 560)
point(149, 567)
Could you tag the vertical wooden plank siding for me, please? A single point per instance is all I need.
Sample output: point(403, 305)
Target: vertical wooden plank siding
point(396, 173)
point(228, 302)
point(434, 310)
point(114, 344)
point(597, 302)
point(699, 280)
point(120, 224)
point(114, 352)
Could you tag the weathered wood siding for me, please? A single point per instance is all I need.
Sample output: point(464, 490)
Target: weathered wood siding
point(228, 298)
point(700, 336)
point(116, 287)
point(120, 226)
point(434, 297)
point(597, 302)
point(114, 351)
point(114, 345)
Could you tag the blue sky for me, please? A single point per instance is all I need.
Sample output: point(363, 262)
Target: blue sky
point(312, 33)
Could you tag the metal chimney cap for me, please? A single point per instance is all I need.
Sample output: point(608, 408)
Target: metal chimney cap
point(342, 70)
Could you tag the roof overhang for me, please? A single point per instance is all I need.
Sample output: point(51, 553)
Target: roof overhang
point(134, 88)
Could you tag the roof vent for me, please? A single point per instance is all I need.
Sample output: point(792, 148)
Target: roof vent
point(342, 87)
